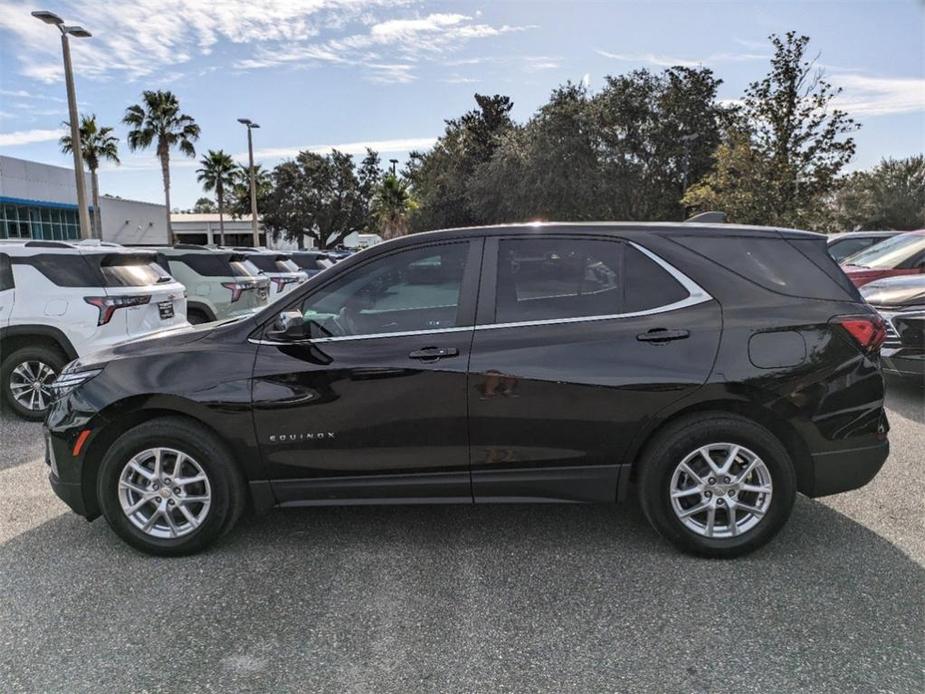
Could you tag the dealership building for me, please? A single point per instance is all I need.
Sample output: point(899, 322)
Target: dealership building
point(39, 202)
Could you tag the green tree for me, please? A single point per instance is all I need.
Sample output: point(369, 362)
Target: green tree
point(157, 121)
point(889, 196)
point(218, 173)
point(239, 195)
point(203, 206)
point(798, 143)
point(316, 195)
point(441, 176)
point(96, 144)
point(391, 207)
point(625, 152)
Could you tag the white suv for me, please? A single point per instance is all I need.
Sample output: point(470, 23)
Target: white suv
point(61, 300)
point(285, 275)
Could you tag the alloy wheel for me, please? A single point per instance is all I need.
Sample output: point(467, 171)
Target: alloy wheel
point(721, 490)
point(165, 493)
point(30, 384)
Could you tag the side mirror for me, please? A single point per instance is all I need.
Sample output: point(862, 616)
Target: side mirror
point(289, 324)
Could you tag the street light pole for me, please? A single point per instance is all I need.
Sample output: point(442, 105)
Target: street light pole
point(83, 210)
point(394, 163)
point(250, 125)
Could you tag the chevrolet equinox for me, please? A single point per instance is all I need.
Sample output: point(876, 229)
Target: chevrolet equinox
point(716, 369)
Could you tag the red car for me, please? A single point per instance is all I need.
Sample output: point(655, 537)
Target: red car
point(899, 255)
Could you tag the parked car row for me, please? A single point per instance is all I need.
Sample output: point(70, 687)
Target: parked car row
point(62, 300)
point(889, 268)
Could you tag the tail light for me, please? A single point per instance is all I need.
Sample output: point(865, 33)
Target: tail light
point(281, 282)
point(107, 305)
point(868, 331)
point(236, 289)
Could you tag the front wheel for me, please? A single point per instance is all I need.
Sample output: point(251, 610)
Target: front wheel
point(169, 487)
point(717, 485)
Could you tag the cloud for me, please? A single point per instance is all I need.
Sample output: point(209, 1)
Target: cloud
point(662, 60)
point(864, 95)
point(27, 137)
point(381, 146)
point(145, 38)
point(408, 40)
point(459, 79)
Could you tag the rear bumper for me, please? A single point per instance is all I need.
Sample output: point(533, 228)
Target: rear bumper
point(841, 471)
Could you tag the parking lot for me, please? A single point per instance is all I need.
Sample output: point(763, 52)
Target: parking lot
point(457, 598)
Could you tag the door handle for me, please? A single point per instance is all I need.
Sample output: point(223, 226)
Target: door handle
point(434, 353)
point(662, 335)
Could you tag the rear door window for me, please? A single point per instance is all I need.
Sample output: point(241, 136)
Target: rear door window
point(64, 269)
point(205, 264)
point(6, 272)
point(125, 270)
point(548, 279)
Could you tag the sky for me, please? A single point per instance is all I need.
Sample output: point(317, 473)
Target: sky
point(387, 73)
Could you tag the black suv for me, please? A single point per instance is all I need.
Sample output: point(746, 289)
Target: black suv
point(720, 368)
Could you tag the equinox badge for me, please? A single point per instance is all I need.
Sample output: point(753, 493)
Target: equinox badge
point(309, 436)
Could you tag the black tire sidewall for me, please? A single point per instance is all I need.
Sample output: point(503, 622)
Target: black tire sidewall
point(660, 464)
point(196, 442)
point(46, 355)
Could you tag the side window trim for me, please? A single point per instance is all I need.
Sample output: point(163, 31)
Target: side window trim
point(468, 290)
point(487, 303)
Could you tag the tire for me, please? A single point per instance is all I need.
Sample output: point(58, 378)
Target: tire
point(205, 455)
point(733, 532)
point(197, 317)
point(24, 364)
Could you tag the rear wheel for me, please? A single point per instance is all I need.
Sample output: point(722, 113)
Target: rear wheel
point(197, 317)
point(170, 487)
point(717, 485)
point(26, 376)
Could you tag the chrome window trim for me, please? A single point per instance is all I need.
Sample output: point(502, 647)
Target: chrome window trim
point(696, 295)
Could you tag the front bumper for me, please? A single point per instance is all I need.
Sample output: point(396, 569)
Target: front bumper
point(841, 471)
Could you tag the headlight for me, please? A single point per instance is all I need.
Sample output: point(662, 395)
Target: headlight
point(66, 382)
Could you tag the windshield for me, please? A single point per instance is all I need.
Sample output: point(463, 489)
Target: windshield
point(123, 270)
point(888, 254)
point(273, 263)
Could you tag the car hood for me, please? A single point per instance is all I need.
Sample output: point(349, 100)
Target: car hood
point(862, 275)
point(164, 341)
point(896, 291)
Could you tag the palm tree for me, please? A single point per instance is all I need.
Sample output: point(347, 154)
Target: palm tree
point(392, 206)
point(218, 173)
point(158, 121)
point(240, 193)
point(96, 144)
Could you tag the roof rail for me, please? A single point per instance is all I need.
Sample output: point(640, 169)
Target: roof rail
point(244, 248)
point(191, 246)
point(48, 244)
point(712, 217)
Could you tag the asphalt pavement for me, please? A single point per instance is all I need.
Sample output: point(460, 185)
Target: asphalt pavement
point(465, 599)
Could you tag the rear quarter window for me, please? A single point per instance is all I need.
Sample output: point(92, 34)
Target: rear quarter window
point(801, 268)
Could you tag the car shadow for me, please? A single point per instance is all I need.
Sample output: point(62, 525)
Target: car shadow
point(462, 598)
point(906, 397)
